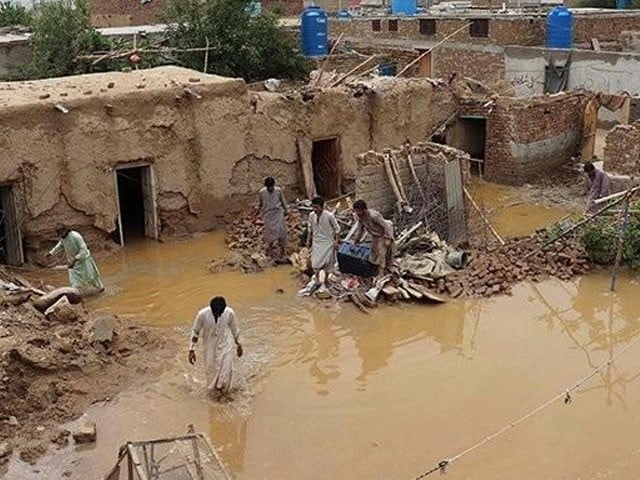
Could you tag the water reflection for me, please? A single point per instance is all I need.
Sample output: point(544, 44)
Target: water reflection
point(598, 323)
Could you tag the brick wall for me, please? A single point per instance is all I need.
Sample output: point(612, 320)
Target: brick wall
point(622, 150)
point(286, 8)
point(515, 31)
point(372, 184)
point(524, 30)
point(483, 65)
point(120, 13)
point(532, 138)
point(605, 29)
point(345, 62)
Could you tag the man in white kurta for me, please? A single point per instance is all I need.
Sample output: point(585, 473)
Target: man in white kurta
point(217, 326)
point(83, 271)
point(324, 235)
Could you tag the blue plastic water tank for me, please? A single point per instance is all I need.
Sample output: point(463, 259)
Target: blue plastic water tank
point(313, 32)
point(404, 7)
point(560, 28)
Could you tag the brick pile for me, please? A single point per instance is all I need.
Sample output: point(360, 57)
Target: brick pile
point(493, 271)
point(118, 13)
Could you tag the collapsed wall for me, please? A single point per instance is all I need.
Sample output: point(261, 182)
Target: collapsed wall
point(622, 150)
point(436, 190)
point(207, 141)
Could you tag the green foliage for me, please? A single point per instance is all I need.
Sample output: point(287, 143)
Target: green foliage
point(61, 31)
point(253, 48)
point(600, 240)
point(12, 14)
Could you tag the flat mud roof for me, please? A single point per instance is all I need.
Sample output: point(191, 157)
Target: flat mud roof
point(112, 84)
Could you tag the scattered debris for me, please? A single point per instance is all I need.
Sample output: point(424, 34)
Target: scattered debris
point(85, 434)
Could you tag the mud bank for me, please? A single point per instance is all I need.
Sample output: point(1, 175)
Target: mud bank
point(52, 371)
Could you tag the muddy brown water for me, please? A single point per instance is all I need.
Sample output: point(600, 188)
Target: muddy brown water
point(329, 393)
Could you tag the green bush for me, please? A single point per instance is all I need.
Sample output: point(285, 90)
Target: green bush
point(251, 47)
point(600, 240)
point(61, 32)
point(12, 14)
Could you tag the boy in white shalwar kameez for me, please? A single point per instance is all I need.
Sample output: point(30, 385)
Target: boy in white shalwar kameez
point(323, 238)
point(221, 342)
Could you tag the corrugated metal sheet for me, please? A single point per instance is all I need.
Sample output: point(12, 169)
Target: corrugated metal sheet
point(457, 230)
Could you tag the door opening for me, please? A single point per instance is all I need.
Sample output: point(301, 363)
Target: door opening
point(327, 174)
point(137, 215)
point(469, 135)
point(11, 252)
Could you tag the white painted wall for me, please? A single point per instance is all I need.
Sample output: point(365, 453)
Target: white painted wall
point(608, 72)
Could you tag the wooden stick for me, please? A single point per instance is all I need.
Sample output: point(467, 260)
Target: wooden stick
point(396, 191)
point(616, 195)
point(427, 52)
point(576, 226)
point(483, 217)
point(326, 59)
point(352, 71)
point(623, 228)
point(206, 57)
point(412, 169)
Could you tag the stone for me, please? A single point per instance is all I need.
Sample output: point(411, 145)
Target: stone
point(111, 85)
point(101, 329)
point(62, 312)
point(48, 299)
point(44, 96)
point(5, 450)
point(86, 433)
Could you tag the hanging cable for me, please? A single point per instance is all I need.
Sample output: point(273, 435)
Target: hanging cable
point(565, 394)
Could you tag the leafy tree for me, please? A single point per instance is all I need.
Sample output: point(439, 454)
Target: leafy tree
point(61, 31)
point(12, 14)
point(242, 45)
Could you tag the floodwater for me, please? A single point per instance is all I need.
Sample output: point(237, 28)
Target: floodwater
point(330, 393)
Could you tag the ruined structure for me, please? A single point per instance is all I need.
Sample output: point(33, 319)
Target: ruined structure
point(167, 151)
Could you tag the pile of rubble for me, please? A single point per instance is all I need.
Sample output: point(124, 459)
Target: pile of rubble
point(429, 270)
point(56, 359)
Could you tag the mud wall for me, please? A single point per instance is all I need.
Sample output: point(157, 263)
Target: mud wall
point(530, 139)
point(209, 155)
point(622, 150)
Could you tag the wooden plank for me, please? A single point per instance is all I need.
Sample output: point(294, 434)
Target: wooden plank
point(120, 232)
point(305, 147)
point(149, 194)
point(455, 202)
point(428, 294)
point(15, 254)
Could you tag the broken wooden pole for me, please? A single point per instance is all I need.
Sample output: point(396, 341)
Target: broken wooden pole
point(620, 240)
point(352, 71)
point(575, 227)
point(326, 59)
point(483, 217)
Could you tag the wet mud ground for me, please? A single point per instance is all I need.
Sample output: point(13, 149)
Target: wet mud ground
point(329, 393)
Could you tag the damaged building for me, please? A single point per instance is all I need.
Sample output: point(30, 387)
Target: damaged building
point(169, 151)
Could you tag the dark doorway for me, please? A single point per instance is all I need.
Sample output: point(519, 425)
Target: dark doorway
point(136, 204)
point(469, 134)
point(11, 252)
point(325, 158)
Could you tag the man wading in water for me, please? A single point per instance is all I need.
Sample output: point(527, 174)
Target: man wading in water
point(219, 329)
point(83, 271)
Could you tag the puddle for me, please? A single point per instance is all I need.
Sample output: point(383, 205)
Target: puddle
point(331, 393)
